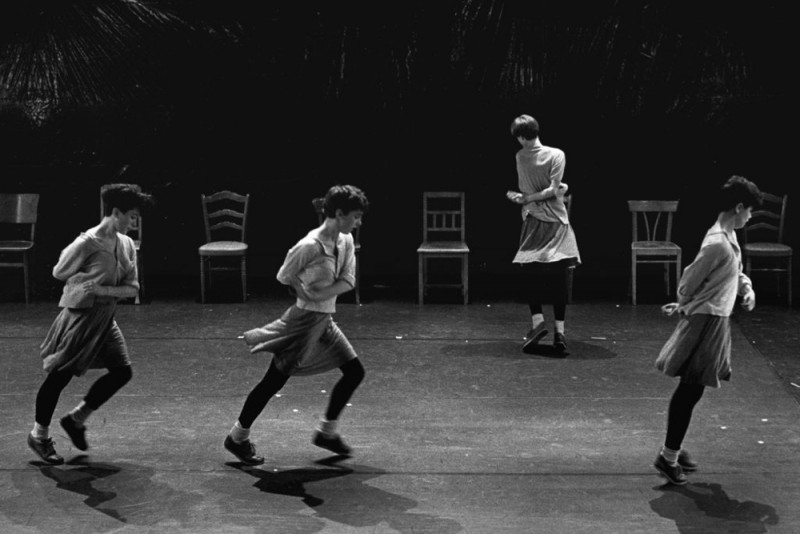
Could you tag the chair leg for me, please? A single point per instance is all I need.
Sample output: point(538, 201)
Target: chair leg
point(244, 278)
point(633, 280)
point(202, 280)
point(789, 280)
point(27, 278)
point(140, 276)
point(465, 278)
point(420, 279)
point(667, 277)
point(358, 281)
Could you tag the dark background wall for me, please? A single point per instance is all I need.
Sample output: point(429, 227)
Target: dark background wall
point(647, 100)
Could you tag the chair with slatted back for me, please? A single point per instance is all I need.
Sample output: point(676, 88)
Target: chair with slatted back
point(319, 204)
point(654, 244)
point(18, 215)
point(763, 241)
point(135, 233)
point(443, 236)
point(224, 216)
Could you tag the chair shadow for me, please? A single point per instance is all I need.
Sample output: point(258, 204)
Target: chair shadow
point(342, 494)
point(706, 507)
point(510, 350)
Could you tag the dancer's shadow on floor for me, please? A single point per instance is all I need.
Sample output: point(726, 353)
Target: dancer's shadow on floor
point(705, 507)
point(125, 492)
point(510, 350)
point(342, 494)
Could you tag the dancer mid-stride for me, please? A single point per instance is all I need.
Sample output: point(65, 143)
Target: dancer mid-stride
point(699, 349)
point(305, 340)
point(99, 268)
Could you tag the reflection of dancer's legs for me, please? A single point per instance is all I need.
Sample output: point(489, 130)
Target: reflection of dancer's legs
point(672, 461)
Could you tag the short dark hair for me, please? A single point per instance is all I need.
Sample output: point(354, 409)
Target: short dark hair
point(736, 190)
point(525, 126)
point(346, 198)
point(124, 197)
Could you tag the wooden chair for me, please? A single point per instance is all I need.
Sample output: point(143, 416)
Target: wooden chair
point(653, 245)
point(443, 236)
point(16, 212)
point(135, 233)
point(318, 204)
point(224, 212)
point(767, 225)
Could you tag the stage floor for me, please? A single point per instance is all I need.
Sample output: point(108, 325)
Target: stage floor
point(454, 429)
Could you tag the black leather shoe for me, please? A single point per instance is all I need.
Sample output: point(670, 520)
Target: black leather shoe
point(559, 343)
point(534, 336)
point(332, 443)
point(244, 451)
point(44, 448)
point(75, 431)
point(673, 473)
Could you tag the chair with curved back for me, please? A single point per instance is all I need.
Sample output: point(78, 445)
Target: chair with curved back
point(16, 212)
point(318, 204)
point(654, 244)
point(224, 215)
point(763, 241)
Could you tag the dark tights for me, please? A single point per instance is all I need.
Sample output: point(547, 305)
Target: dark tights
point(548, 283)
point(274, 380)
point(102, 390)
point(683, 402)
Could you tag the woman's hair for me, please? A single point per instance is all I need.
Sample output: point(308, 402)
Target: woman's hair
point(525, 126)
point(124, 197)
point(738, 190)
point(346, 198)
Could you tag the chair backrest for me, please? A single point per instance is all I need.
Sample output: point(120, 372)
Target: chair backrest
point(652, 212)
point(229, 212)
point(135, 228)
point(443, 216)
point(20, 208)
point(766, 224)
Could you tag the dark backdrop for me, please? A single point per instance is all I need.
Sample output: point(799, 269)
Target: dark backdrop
point(647, 100)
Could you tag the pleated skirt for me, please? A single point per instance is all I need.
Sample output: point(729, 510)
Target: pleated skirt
point(546, 242)
point(302, 342)
point(84, 338)
point(698, 351)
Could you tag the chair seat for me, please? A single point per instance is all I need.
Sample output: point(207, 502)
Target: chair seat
point(15, 246)
point(767, 249)
point(655, 248)
point(223, 248)
point(443, 247)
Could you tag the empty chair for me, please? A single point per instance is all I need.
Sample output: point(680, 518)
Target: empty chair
point(319, 204)
point(18, 213)
point(651, 242)
point(135, 233)
point(763, 241)
point(224, 215)
point(443, 236)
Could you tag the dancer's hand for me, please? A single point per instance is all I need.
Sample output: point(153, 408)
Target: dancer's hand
point(93, 288)
point(515, 197)
point(749, 300)
point(669, 309)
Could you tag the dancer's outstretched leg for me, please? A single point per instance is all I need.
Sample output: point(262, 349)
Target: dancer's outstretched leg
point(238, 441)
